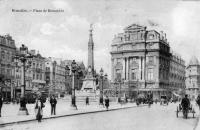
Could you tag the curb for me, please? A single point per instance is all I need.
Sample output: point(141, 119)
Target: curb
point(66, 115)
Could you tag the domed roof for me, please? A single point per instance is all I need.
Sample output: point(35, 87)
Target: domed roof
point(194, 61)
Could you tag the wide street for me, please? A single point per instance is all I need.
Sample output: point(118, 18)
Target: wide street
point(156, 117)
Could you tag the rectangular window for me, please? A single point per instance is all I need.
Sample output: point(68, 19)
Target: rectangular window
point(118, 74)
point(134, 74)
point(150, 74)
point(151, 59)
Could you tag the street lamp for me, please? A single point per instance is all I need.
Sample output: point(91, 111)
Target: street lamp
point(73, 69)
point(101, 88)
point(67, 70)
point(25, 58)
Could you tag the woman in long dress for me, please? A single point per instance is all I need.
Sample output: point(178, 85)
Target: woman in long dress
point(38, 110)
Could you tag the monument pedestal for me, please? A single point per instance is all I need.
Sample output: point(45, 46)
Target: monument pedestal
point(89, 84)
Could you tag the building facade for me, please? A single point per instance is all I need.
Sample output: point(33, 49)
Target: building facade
point(35, 74)
point(140, 61)
point(193, 78)
point(55, 75)
point(7, 52)
point(177, 75)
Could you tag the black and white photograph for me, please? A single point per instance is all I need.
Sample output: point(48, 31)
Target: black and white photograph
point(99, 64)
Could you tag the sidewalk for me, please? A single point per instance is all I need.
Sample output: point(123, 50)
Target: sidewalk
point(197, 127)
point(9, 111)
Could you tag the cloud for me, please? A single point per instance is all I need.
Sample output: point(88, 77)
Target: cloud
point(60, 4)
point(47, 29)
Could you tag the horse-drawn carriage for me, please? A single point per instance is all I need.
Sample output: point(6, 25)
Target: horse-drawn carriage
point(185, 111)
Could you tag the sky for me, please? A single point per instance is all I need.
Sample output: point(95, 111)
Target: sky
point(65, 34)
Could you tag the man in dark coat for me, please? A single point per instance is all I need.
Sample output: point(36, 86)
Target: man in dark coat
point(185, 103)
point(53, 103)
point(107, 102)
point(1, 103)
point(198, 101)
point(87, 100)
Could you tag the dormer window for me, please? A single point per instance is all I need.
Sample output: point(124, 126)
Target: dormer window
point(151, 36)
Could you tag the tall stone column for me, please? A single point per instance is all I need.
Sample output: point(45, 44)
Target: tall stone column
point(91, 51)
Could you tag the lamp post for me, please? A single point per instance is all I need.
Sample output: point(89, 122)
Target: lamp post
point(73, 69)
point(101, 88)
point(25, 58)
point(67, 70)
point(121, 81)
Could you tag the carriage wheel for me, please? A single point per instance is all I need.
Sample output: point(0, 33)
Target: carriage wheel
point(193, 112)
point(177, 112)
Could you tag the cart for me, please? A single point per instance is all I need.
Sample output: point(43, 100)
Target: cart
point(186, 112)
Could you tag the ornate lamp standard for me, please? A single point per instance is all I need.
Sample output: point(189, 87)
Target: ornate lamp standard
point(101, 88)
point(73, 69)
point(25, 58)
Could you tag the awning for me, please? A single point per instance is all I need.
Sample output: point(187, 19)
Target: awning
point(175, 94)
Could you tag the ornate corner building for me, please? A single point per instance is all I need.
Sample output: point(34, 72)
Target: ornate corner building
point(142, 58)
point(193, 78)
point(7, 51)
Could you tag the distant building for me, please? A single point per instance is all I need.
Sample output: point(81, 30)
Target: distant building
point(177, 74)
point(79, 75)
point(58, 79)
point(193, 77)
point(7, 52)
point(55, 75)
point(141, 61)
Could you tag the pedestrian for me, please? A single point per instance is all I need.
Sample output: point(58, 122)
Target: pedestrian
point(53, 103)
point(87, 100)
point(107, 102)
point(39, 109)
point(1, 103)
point(198, 101)
point(185, 103)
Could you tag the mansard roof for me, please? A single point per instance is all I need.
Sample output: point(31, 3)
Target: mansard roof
point(134, 27)
point(193, 61)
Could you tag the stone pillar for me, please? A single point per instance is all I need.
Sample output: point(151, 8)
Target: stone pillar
point(143, 69)
point(140, 68)
point(123, 69)
point(127, 68)
point(112, 69)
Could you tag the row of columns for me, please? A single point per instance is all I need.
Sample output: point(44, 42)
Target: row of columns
point(126, 68)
